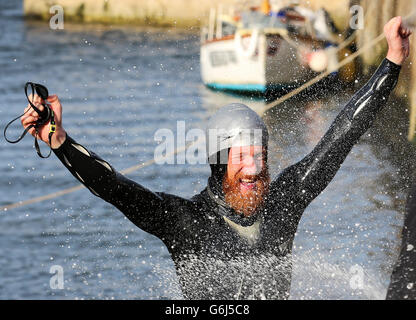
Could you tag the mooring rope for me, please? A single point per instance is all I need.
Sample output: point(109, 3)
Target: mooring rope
point(80, 186)
point(323, 75)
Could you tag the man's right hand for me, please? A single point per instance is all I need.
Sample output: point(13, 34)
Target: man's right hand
point(31, 116)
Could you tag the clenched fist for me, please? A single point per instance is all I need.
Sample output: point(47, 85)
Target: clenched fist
point(397, 38)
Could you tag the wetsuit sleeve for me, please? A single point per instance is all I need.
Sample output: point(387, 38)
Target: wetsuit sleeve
point(150, 211)
point(302, 182)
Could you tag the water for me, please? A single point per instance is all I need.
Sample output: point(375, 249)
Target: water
point(118, 86)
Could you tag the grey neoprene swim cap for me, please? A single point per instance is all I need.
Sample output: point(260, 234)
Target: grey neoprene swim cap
point(234, 125)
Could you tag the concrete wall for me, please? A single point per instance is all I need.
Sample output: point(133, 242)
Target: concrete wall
point(181, 13)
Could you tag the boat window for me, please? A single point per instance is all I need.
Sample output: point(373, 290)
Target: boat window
point(228, 29)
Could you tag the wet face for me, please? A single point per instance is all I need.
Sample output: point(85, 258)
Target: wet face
point(247, 180)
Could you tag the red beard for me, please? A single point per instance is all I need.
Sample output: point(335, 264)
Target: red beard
point(252, 198)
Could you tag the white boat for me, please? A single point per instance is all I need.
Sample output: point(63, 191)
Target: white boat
point(260, 51)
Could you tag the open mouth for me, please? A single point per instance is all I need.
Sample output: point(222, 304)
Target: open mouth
point(248, 184)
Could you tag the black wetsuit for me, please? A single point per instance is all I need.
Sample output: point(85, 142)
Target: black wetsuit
point(248, 258)
point(403, 278)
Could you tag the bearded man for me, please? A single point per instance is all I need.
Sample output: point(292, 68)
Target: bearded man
point(233, 240)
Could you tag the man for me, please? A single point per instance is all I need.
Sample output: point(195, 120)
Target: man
point(234, 239)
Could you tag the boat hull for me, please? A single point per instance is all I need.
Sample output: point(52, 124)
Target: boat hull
point(229, 64)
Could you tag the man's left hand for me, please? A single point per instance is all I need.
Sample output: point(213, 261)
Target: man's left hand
point(397, 37)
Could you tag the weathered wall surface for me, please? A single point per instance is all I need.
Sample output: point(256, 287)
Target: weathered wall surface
point(181, 13)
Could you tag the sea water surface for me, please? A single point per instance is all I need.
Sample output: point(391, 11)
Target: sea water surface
point(118, 86)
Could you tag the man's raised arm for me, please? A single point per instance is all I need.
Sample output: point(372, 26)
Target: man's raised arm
point(306, 179)
point(153, 212)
